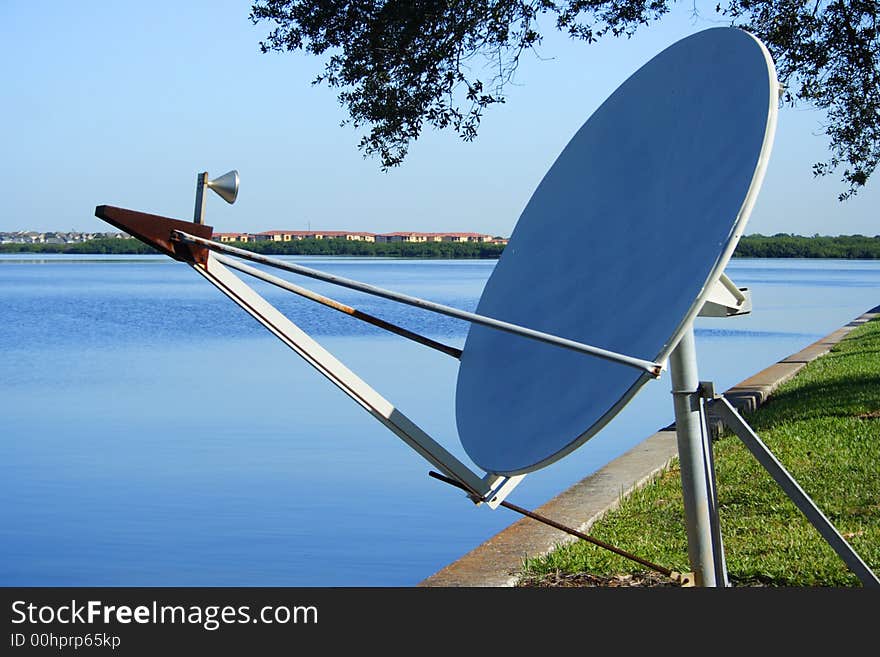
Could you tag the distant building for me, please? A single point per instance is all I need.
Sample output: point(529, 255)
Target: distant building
point(352, 236)
point(291, 235)
point(466, 237)
point(53, 237)
point(404, 236)
point(232, 237)
point(356, 236)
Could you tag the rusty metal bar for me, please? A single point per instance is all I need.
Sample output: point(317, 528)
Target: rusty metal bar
point(157, 232)
point(568, 530)
point(652, 368)
point(341, 307)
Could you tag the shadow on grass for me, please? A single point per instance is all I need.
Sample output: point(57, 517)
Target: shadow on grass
point(838, 356)
point(847, 396)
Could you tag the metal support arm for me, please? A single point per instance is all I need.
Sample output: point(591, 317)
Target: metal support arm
point(651, 367)
point(492, 488)
point(765, 457)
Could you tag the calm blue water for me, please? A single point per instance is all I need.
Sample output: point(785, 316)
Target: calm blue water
point(155, 435)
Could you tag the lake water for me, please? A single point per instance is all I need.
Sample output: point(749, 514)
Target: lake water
point(155, 435)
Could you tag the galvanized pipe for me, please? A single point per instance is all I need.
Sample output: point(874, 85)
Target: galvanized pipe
point(654, 369)
point(732, 288)
point(199, 211)
point(557, 525)
point(698, 506)
point(341, 307)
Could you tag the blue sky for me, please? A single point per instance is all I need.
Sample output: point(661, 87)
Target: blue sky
point(124, 103)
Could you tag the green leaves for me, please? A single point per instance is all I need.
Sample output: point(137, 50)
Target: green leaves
point(827, 55)
point(401, 65)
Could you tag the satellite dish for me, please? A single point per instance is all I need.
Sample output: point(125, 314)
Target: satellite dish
point(621, 246)
point(226, 186)
point(618, 247)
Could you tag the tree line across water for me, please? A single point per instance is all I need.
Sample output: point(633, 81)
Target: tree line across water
point(851, 247)
point(781, 245)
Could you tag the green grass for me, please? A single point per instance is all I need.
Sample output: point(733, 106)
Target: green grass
point(824, 427)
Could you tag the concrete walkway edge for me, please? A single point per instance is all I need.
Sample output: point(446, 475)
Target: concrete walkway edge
point(497, 562)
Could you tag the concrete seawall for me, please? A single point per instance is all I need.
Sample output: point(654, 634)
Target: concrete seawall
point(497, 562)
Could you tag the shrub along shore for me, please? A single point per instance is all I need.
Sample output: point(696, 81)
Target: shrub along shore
point(853, 247)
point(824, 427)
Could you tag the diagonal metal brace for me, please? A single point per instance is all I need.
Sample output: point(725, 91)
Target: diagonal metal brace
point(765, 457)
point(163, 234)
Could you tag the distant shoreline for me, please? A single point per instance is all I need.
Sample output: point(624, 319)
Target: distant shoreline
point(843, 247)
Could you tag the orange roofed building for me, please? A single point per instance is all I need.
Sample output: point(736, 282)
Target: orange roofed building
point(232, 237)
point(433, 237)
point(291, 235)
point(355, 236)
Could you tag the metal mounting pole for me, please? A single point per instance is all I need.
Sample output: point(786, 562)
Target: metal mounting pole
point(201, 184)
point(699, 503)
